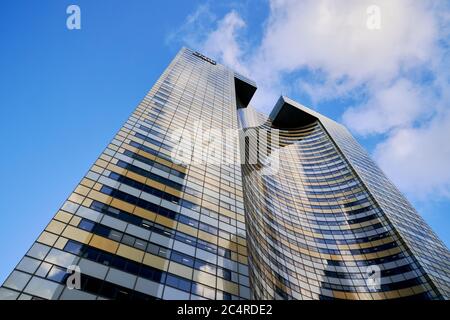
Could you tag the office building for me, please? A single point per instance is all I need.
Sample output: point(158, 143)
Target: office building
point(323, 223)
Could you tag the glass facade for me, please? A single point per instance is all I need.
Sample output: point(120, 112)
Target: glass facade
point(143, 226)
point(329, 221)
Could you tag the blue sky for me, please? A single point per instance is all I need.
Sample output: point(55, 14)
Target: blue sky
point(64, 93)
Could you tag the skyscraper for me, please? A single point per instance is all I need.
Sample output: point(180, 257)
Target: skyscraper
point(329, 224)
point(323, 223)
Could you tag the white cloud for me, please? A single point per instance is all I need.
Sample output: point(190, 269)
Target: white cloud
point(392, 107)
point(418, 159)
point(191, 30)
point(333, 36)
point(222, 42)
point(330, 41)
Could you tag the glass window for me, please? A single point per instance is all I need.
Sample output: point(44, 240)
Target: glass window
point(57, 274)
point(105, 258)
point(164, 252)
point(102, 230)
point(43, 288)
point(90, 253)
point(115, 235)
point(17, 280)
point(225, 252)
point(152, 248)
point(203, 291)
point(178, 283)
point(140, 244)
point(119, 262)
point(181, 258)
point(38, 251)
point(43, 269)
point(174, 294)
point(6, 294)
point(223, 295)
point(28, 264)
point(73, 247)
point(224, 273)
point(86, 225)
point(61, 258)
point(132, 267)
point(208, 228)
point(205, 266)
point(186, 220)
point(152, 274)
point(206, 246)
point(185, 238)
point(129, 240)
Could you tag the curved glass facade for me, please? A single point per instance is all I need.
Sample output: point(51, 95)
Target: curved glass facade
point(314, 229)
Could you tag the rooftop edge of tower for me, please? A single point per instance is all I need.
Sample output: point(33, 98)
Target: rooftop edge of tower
point(289, 114)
